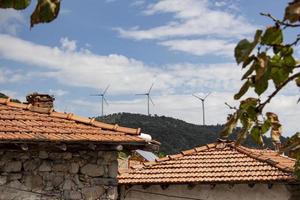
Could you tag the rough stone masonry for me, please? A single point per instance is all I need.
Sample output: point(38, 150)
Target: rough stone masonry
point(42, 175)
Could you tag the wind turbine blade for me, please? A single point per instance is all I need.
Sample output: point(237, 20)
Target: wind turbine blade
point(206, 95)
point(151, 101)
point(141, 94)
point(105, 90)
point(105, 101)
point(198, 97)
point(150, 88)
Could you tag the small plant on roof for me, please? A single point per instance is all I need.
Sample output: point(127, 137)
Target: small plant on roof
point(267, 58)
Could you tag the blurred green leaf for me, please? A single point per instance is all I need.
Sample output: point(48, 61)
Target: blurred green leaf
point(249, 71)
point(292, 12)
point(230, 125)
point(245, 47)
point(261, 86)
point(257, 37)
point(248, 107)
point(263, 71)
point(256, 135)
point(265, 126)
point(45, 11)
point(243, 50)
point(242, 135)
point(272, 36)
point(279, 75)
point(16, 4)
point(248, 103)
point(289, 62)
point(276, 61)
point(242, 91)
point(248, 60)
point(283, 50)
point(262, 65)
point(298, 81)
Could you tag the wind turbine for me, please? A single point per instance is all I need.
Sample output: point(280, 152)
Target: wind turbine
point(103, 99)
point(148, 98)
point(203, 107)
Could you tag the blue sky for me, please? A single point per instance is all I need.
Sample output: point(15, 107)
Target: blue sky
point(183, 46)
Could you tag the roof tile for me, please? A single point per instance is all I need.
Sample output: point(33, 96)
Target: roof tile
point(20, 122)
point(221, 162)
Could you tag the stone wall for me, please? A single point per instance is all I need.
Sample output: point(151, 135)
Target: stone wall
point(295, 191)
point(207, 192)
point(41, 175)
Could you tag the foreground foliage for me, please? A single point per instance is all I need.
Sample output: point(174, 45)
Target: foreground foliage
point(268, 59)
point(45, 10)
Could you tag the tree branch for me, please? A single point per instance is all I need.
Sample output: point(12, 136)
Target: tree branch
point(230, 107)
point(262, 105)
point(280, 22)
point(295, 42)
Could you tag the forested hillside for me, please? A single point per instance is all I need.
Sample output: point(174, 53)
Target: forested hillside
point(5, 96)
point(174, 134)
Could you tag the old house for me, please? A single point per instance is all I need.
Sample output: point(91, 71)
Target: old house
point(213, 172)
point(48, 155)
point(135, 158)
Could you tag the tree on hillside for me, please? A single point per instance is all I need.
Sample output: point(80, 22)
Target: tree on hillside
point(268, 59)
point(45, 10)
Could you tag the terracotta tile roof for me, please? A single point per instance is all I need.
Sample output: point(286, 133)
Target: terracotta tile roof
point(23, 122)
point(220, 162)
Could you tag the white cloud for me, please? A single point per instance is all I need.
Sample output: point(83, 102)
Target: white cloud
point(110, 1)
point(201, 47)
point(11, 76)
point(190, 18)
point(68, 45)
point(79, 68)
point(228, 5)
point(220, 3)
point(58, 92)
point(10, 21)
point(198, 27)
point(138, 3)
point(65, 11)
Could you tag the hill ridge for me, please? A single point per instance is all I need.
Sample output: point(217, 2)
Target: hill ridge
point(174, 134)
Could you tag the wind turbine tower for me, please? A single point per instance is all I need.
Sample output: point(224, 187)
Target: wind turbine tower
point(148, 98)
point(203, 105)
point(103, 99)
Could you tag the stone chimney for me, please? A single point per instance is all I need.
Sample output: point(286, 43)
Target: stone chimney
point(40, 102)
